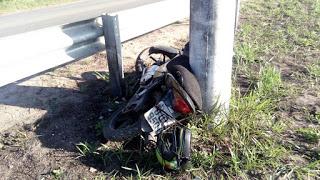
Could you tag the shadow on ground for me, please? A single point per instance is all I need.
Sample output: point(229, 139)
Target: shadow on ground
point(71, 118)
point(71, 113)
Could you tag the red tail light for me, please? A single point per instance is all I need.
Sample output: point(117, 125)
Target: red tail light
point(179, 104)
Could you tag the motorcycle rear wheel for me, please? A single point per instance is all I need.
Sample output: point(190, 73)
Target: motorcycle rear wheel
point(121, 127)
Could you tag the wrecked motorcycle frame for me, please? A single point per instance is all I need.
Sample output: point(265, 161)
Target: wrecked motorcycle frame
point(168, 91)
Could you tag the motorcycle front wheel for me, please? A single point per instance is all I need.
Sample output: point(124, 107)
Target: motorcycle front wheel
point(120, 127)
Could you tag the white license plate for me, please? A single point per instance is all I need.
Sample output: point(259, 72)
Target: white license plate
point(159, 117)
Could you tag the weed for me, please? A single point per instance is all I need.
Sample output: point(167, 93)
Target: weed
point(69, 71)
point(314, 118)
point(317, 153)
point(57, 174)
point(313, 71)
point(204, 159)
point(102, 76)
point(246, 53)
point(86, 149)
point(311, 169)
point(22, 138)
point(99, 127)
point(247, 29)
point(140, 174)
point(111, 175)
point(312, 135)
point(247, 134)
point(16, 140)
point(101, 176)
point(118, 151)
point(86, 62)
point(270, 83)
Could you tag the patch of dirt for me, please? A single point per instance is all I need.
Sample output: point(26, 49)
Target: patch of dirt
point(44, 117)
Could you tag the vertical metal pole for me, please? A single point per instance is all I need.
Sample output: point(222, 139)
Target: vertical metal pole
point(113, 47)
point(237, 15)
point(212, 24)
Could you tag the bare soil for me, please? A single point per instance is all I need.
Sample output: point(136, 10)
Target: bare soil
point(43, 117)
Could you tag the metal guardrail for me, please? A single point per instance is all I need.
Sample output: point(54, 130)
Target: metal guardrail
point(27, 54)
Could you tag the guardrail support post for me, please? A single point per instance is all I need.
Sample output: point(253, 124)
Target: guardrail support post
point(113, 47)
point(212, 24)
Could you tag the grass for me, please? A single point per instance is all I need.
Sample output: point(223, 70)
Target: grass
point(314, 118)
point(246, 141)
point(16, 140)
point(250, 144)
point(311, 135)
point(57, 174)
point(270, 84)
point(139, 164)
point(99, 127)
point(9, 6)
point(102, 76)
point(277, 57)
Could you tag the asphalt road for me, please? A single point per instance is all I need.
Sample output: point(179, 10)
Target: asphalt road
point(20, 22)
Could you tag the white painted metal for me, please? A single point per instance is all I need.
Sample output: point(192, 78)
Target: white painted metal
point(237, 13)
point(35, 43)
point(26, 54)
point(141, 20)
point(212, 24)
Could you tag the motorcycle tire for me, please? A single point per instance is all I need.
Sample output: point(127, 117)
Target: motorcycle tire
point(121, 127)
point(143, 56)
point(186, 153)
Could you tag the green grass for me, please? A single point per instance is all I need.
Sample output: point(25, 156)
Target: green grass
point(311, 135)
point(247, 138)
point(102, 76)
point(138, 164)
point(9, 6)
point(250, 144)
point(314, 118)
point(16, 140)
point(99, 127)
point(86, 149)
point(270, 84)
point(57, 174)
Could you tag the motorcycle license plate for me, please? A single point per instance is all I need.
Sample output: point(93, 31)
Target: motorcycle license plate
point(159, 117)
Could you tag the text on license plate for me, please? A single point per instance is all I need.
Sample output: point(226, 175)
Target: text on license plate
point(159, 117)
